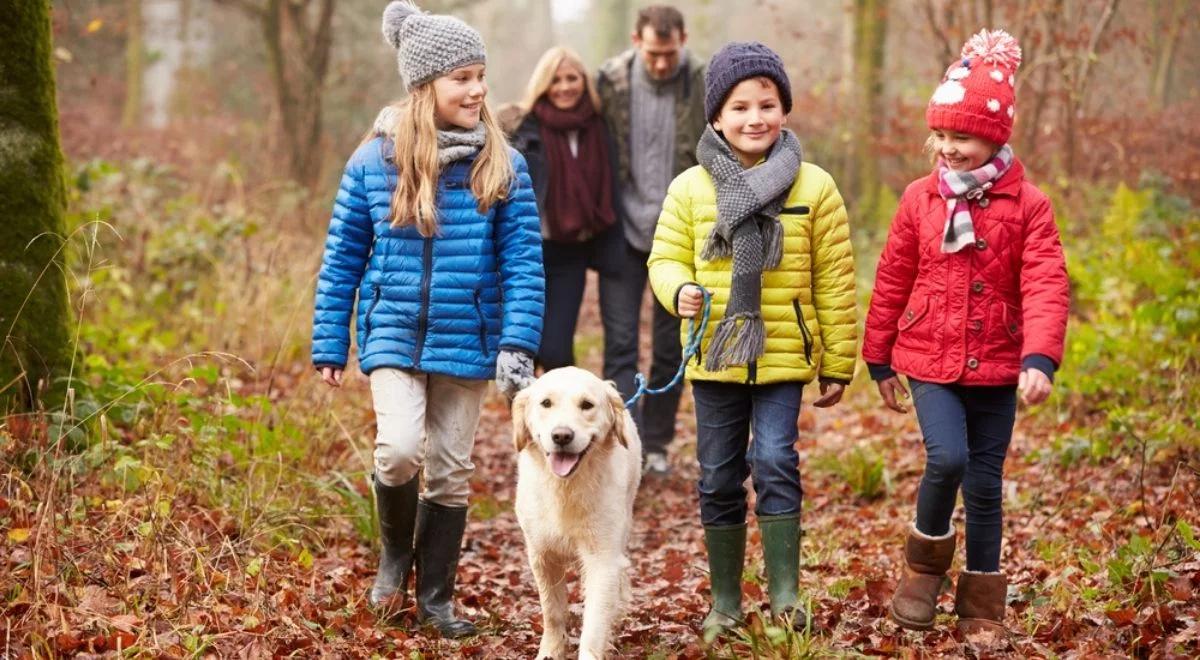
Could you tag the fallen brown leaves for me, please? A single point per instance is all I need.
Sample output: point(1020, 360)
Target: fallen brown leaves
point(161, 571)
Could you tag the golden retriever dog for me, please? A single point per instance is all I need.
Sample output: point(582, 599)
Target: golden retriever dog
point(579, 464)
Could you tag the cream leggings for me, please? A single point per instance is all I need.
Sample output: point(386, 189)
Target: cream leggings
point(430, 420)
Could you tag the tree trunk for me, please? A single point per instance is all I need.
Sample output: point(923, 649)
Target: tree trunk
point(1164, 51)
point(33, 308)
point(298, 43)
point(1077, 83)
point(870, 41)
point(613, 27)
point(135, 64)
point(299, 58)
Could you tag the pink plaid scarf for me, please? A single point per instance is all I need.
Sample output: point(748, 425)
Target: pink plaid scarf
point(959, 187)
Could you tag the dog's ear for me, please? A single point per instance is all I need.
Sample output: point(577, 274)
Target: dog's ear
point(617, 410)
point(521, 435)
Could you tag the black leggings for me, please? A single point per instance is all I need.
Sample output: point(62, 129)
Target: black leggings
point(967, 431)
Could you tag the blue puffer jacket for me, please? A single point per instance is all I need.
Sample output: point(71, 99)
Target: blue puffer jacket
point(438, 305)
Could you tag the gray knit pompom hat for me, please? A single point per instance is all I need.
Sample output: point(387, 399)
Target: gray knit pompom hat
point(429, 45)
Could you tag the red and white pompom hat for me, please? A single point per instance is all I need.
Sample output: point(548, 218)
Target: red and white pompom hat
point(978, 92)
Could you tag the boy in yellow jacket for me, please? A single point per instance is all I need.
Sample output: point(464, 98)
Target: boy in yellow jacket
point(766, 234)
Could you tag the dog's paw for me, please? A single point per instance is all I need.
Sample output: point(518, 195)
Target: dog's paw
point(553, 650)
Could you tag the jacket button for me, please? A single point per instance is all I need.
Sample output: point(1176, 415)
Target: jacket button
point(980, 244)
point(908, 314)
point(983, 202)
point(977, 286)
point(972, 363)
point(977, 325)
point(1012, 327)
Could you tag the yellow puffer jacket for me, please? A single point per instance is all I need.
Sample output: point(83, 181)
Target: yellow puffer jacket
point(808, 302)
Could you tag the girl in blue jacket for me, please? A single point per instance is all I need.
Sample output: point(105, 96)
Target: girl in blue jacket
point(435, 231)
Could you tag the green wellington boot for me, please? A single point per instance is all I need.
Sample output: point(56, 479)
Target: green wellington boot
point(726, 556)
point(781, 556)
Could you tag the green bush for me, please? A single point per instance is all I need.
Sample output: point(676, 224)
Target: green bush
point(1131, 356)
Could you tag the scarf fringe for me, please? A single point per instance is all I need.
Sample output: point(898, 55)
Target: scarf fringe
point(735, 345)
point(716, 247)
point(772, 235)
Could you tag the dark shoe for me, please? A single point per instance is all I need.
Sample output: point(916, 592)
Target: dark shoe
point(927, 558)
point(979, 604)
point(726, 557)
point(439, 543)
point(781, 557)
point(397, 508)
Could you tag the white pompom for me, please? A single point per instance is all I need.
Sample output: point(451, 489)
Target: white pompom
point(994, 47)
point(393, 18)
point(993, 105)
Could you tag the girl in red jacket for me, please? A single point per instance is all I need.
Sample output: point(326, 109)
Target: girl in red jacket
point(970, 303)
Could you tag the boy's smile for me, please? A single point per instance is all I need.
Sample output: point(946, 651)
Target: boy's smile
point(751, 118)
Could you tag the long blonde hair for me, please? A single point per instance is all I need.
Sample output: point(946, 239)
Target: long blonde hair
point(414, 201)
point(543, 75)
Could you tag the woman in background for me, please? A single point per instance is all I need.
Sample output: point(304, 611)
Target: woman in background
point(563, 137)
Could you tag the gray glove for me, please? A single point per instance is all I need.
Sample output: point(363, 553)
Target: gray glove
point(514, 372)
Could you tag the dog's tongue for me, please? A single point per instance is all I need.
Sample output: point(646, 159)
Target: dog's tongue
point(562, 463)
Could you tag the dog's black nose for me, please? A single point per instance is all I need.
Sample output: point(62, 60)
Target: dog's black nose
point(562, 435)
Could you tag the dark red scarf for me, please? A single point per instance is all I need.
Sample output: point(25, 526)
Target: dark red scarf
point(579, 201)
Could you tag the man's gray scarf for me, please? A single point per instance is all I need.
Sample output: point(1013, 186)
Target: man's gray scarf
point(748, 230)
point(454, 144)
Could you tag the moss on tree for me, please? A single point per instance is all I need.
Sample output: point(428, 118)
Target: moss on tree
point(33, 298)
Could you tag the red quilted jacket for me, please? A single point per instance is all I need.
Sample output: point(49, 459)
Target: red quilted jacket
point(974, 316)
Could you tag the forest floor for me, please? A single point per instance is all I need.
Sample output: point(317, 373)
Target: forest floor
point(167, 552)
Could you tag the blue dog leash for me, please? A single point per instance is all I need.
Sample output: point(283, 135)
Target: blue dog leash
point(695, 335)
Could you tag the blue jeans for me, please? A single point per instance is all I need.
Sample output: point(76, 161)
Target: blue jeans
point(726, 413)
point(967, 430)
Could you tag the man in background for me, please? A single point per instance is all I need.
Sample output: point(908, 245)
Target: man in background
point(653, 102)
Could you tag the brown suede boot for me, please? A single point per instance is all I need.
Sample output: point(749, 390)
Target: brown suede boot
point(927, 558)
point(979, 604)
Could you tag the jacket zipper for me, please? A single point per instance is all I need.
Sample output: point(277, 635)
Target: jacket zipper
point(423, 321)
point(482, 326)
point(375, 295)
point(808, 340)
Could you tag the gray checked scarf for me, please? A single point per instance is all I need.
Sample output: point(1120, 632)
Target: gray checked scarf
point(748, 230)
point(454, 144)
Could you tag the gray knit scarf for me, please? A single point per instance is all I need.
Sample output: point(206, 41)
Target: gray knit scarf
point(458, 143)
point(748, 230)
point(454, 144)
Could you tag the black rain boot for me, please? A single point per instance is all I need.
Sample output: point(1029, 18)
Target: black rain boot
point(439, 543)
point(397, 508)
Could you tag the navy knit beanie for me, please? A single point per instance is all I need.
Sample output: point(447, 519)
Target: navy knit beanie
point(737, 61)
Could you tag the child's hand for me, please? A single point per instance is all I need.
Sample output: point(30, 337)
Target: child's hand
point(1034, 386)
point(514, 372)
point(831, 393)
point(892, 391)
point(331, 376)
point(691, 298)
